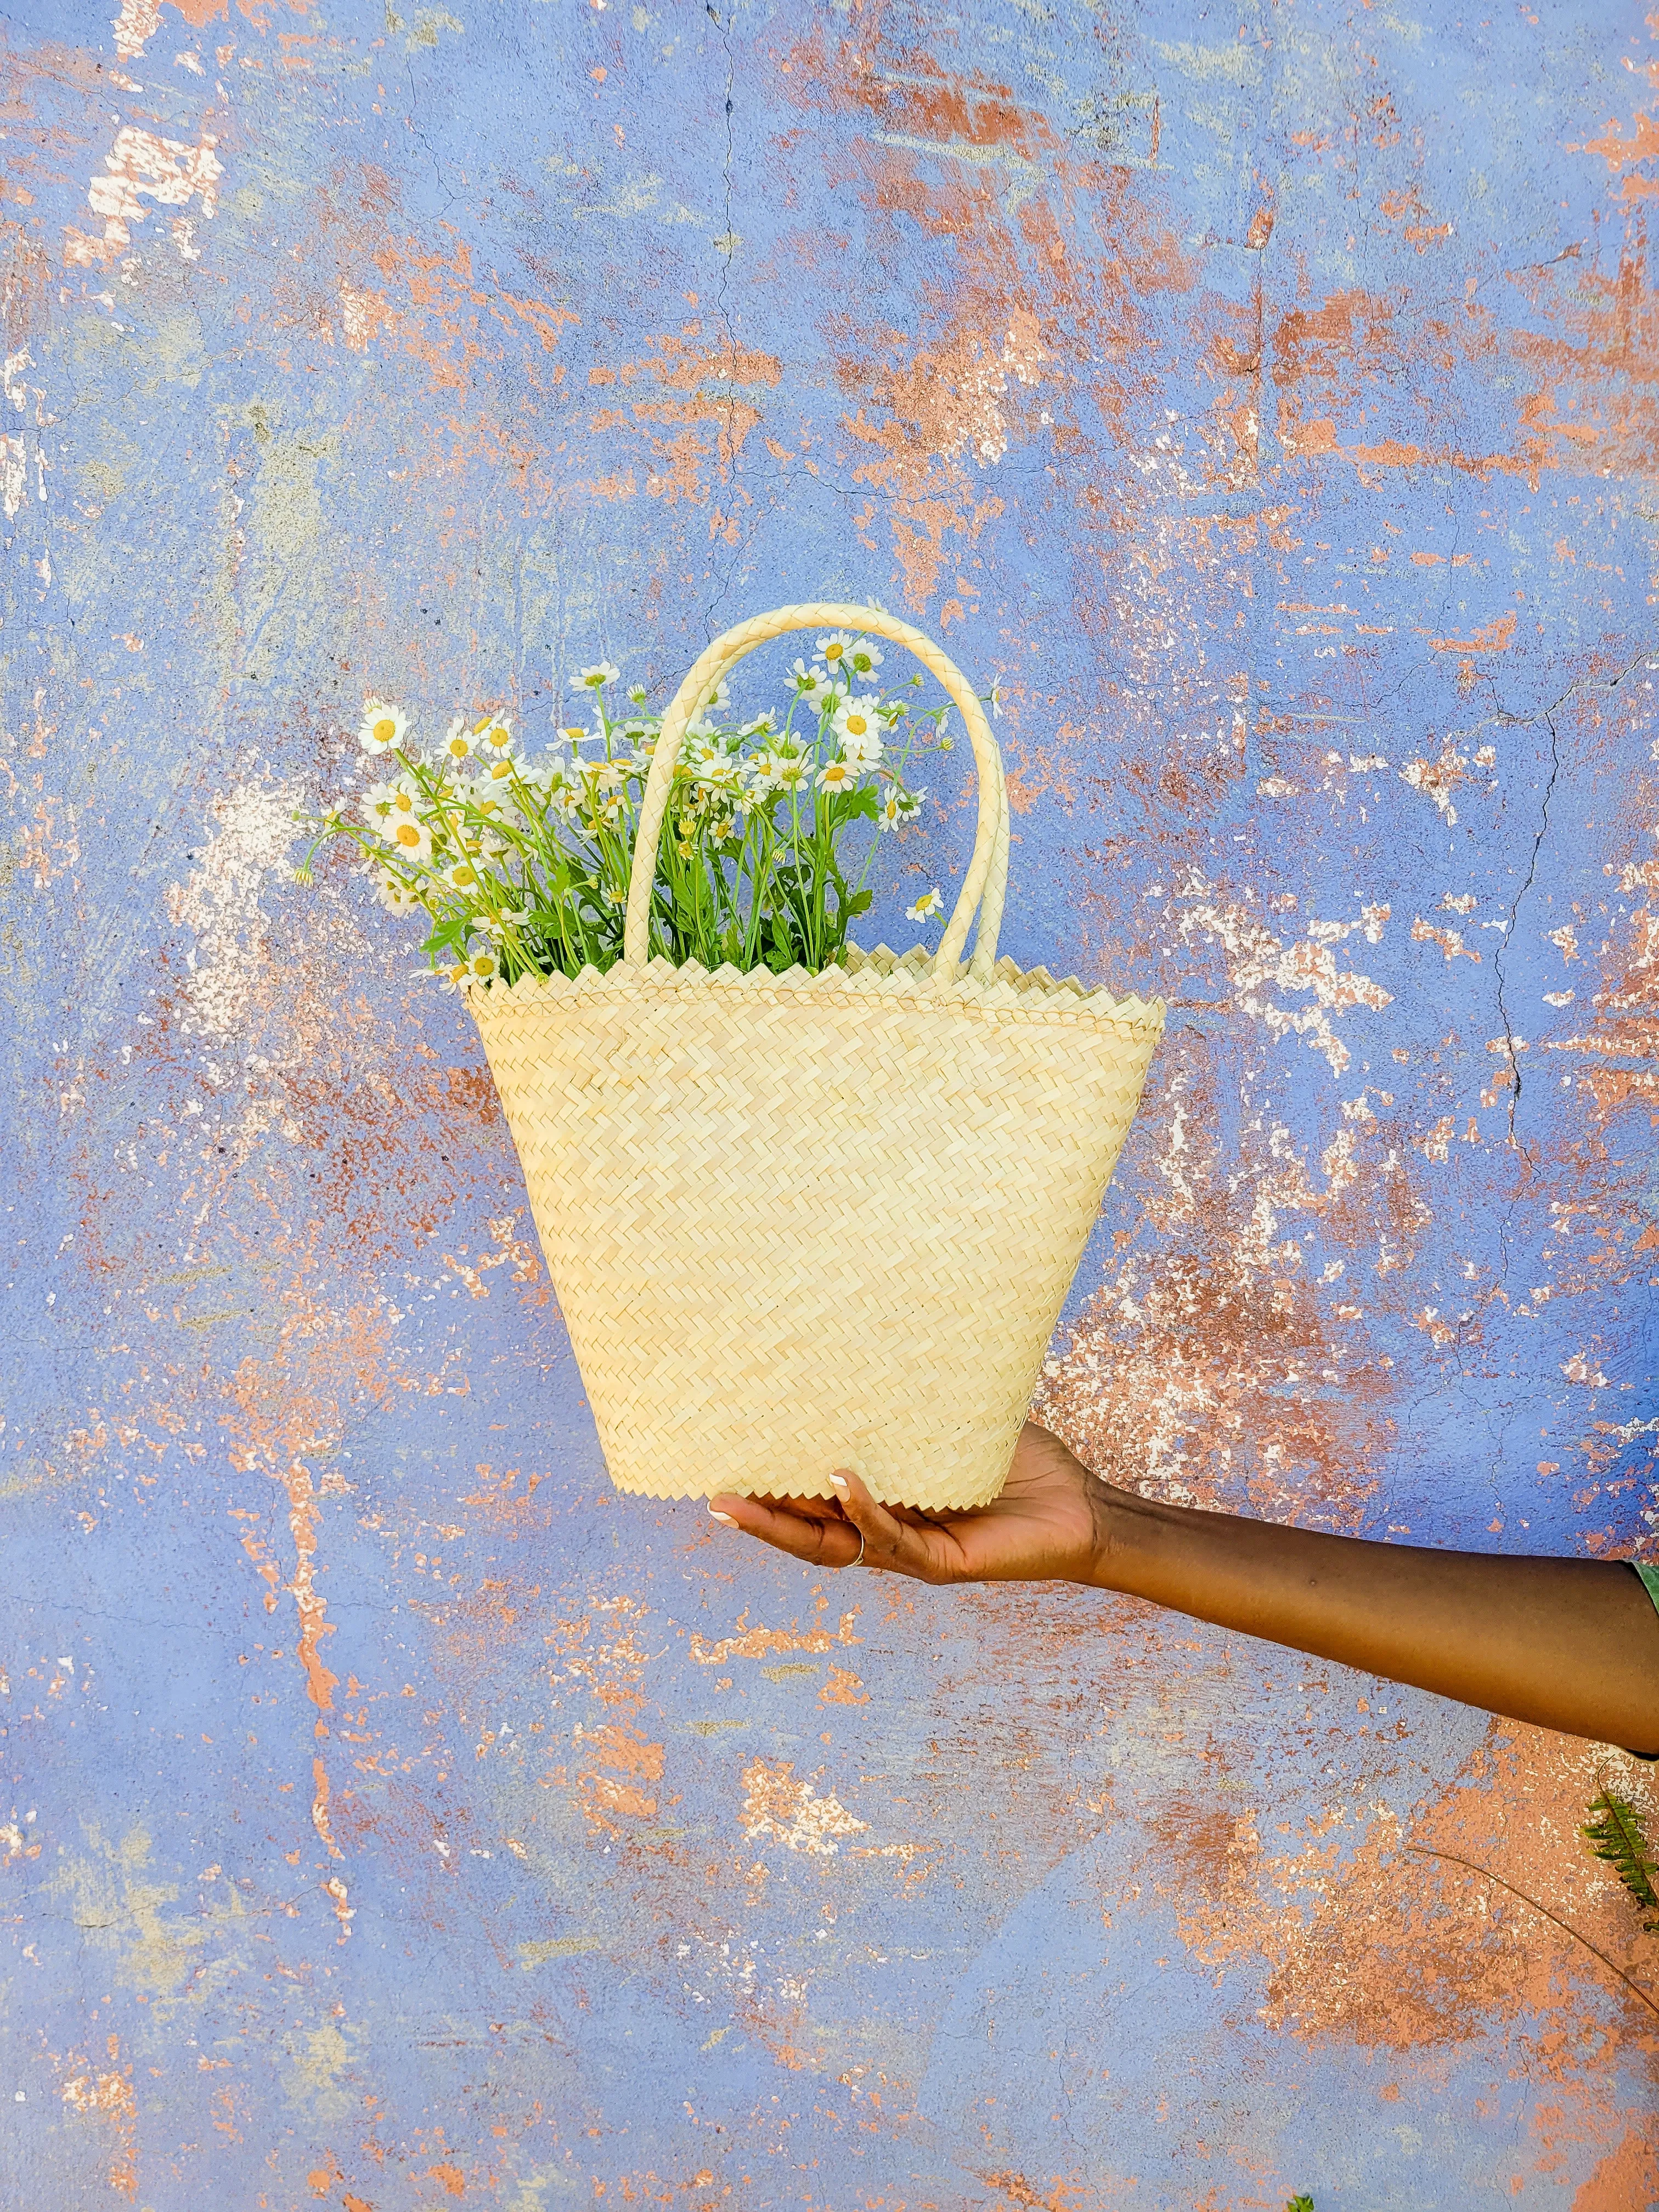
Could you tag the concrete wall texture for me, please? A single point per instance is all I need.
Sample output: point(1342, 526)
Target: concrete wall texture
point(1266, 399)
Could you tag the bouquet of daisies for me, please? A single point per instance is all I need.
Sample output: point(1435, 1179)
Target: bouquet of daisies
point(749, 1299)
point(522, 867)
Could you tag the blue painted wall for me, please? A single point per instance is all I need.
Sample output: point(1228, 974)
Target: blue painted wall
point(1266, 402)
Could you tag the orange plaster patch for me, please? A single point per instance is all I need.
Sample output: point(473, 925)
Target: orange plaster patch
point(1626, 2176)
point(842, 1687)
point(785, 1810)
point(758, 1642)
point(1493, 637)
point(109, 2093)
point(1641, 145)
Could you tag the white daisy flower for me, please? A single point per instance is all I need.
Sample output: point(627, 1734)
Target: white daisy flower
point(857, 726)
point(833, 650)
point(838, 774)
point(790, 770)
point(481, 966)
point(603, 776)
point(596, 677)
point(716, 702)
point(810, 682)
point(382, 726)
point(760, 768)
point(409, 837)
point(720, 773)
point(394, 894)
point(383, 799)
point(460, 876)
point(928, 904)
point(863, 659)
point(495, 772)
point(492, 738)
point(762, 726)
point(636, 693)
point(455, 978)
point(457, 742)
point(890, 812)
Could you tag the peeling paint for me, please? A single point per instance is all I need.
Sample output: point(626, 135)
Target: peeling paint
point(1269, 411)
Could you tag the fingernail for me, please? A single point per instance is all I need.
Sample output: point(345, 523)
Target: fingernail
point(724, 1517)
point(840, 1481)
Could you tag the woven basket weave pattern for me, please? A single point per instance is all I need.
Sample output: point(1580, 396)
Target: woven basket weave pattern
point(797, 1223)
point(796, 1227)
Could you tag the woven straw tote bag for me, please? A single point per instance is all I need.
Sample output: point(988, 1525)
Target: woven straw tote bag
point(799, 1222)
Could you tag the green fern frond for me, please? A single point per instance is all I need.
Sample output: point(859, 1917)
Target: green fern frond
point(1617, 1836)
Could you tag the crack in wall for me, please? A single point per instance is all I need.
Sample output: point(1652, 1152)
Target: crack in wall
point(1500, 971)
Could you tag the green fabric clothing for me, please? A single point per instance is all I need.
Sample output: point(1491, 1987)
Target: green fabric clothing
point(1650, 1584)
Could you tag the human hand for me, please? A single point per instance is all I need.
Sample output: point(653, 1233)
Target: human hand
point(1046, 1526)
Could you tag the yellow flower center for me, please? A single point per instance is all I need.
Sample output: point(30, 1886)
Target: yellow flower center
point(408, 834)
point(385, 730)
point(834, 652)
point(858, 725)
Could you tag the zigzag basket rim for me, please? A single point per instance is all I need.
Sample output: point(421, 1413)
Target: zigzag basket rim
point(879, 973)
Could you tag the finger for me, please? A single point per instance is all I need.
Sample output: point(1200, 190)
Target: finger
point(821, 1536)
point(929, 1552)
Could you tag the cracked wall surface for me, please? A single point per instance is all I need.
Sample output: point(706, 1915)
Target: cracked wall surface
point(1268, 403)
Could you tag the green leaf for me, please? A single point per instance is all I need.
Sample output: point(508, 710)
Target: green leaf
point(1300, 2204)
point(1617, 1836)
point(781, 893)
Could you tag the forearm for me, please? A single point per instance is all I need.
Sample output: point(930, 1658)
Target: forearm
point(1568, 1644)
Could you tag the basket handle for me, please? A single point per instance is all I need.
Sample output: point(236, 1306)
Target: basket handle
point(987, 867)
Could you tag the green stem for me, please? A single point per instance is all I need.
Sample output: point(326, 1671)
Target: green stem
point(1486, 1872)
